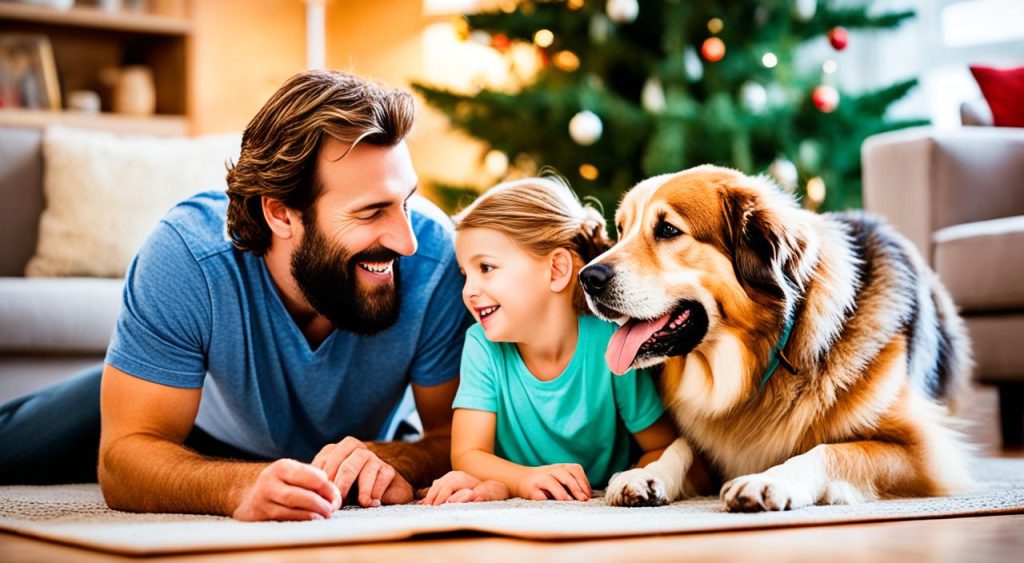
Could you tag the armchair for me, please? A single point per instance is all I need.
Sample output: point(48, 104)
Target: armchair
point(958, 195)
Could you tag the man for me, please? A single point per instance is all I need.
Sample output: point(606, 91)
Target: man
point(303, 326)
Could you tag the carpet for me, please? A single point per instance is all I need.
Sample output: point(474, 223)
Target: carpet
point(76, 514)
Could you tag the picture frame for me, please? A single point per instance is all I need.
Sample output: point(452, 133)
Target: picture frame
point(28, 73)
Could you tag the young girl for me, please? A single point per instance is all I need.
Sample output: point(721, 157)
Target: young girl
point(538, 413)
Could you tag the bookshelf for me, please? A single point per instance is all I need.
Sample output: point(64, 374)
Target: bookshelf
point(85, 40)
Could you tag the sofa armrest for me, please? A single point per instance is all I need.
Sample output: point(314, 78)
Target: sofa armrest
point(58, 315)
point(924, 179)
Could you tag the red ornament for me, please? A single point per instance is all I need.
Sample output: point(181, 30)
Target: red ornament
point(838, 37)
point(501, 42)
point(825, 98)
point(713, 49)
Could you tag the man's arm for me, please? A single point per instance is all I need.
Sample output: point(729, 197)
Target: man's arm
point(144, 466)
point(429, 458)
point(390, 472)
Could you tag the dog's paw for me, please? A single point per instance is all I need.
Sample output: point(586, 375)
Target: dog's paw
point(761, 492)
point(636, 487)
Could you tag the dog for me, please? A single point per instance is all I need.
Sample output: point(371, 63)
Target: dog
point(803, 356)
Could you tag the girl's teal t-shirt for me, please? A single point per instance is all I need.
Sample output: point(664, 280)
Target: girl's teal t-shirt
point(584, 416)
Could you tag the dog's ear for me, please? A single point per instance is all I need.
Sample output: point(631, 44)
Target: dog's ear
point(757, 240)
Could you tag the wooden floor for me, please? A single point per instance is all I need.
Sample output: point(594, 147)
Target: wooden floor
point(975, 540)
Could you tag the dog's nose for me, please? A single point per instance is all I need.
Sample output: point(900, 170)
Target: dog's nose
point(595, 278)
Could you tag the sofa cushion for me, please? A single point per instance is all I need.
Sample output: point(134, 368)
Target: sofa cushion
point(1004, 91)
point(995, 340)
point(66, 315)
point(21, 191)
point(105, 193)
point(982, 263)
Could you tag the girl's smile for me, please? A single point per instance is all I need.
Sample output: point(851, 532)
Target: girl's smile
point(506, 287)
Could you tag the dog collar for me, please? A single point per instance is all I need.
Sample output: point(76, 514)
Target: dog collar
point(778, 357)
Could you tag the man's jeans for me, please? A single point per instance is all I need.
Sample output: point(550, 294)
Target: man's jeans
point(53, 435)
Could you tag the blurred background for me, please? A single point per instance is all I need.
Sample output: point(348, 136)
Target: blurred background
point(790, 86)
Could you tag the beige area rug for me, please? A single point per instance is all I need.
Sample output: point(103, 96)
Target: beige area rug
point(76, 514)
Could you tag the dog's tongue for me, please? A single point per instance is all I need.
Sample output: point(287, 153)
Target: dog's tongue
point(626, 341)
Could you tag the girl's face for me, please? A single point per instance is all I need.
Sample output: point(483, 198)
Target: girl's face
point(506, 286)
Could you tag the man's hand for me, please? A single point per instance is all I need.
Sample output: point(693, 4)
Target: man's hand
point(289, 490)
point(349, 463)
point(456, 486)
point(561, 481)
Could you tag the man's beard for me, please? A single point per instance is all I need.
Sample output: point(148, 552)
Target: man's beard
point(326, 274)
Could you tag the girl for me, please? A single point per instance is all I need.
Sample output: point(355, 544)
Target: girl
point(538, 414)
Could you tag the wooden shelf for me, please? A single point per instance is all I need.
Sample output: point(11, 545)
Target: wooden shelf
point(94, 18)
point(158, 125)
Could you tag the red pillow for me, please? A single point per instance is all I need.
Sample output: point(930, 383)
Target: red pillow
point(1004, 91)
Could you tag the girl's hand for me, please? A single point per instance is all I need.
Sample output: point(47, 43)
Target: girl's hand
point(485, 491)
point(458, 486)
point(560, 481)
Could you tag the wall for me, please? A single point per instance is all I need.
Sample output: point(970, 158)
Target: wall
point(922, 48)
point(382, 39)
point(242, 52)
point(241, 56)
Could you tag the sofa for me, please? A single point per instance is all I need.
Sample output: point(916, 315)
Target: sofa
point(958, 195)
point(55, 324)
point(49, 327)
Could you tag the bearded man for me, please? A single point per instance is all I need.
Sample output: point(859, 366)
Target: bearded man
point(267, 332)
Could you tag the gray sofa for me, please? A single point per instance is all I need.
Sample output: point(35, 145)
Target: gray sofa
point(958, 194)
point(50, 328)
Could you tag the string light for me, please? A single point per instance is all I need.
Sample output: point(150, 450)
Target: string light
point(816, 190)
point(544, 38)
point(575, 4)
point(496, 163)
point(715, 25)
point(769, 60)
point(509, 6)
point(589, 172)
point(566, 61)
point(829, 66)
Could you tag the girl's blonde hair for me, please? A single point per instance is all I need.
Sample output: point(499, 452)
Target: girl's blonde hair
point(541, 215)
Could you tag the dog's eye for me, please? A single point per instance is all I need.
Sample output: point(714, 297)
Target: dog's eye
point(666, 231)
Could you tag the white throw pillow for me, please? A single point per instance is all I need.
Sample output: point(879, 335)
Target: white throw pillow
point(104, 194)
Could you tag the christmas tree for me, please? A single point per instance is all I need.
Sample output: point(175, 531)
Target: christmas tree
point(628, 89)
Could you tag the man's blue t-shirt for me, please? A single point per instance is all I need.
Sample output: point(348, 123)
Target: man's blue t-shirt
point(198, 312)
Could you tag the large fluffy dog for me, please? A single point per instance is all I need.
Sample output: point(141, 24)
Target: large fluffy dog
point(803, 354)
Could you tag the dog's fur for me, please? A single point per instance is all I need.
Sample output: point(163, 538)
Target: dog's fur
point(875, 343)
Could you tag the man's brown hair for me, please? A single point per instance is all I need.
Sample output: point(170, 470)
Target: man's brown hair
point(280, 145)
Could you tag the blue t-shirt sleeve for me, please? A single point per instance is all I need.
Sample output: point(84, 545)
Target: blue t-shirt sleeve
point(437, 353)
point(637, 399)
point(478, 386)
point(163, 330)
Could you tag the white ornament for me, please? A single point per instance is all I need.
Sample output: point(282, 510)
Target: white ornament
point(691, 63)
point(585, 128)
point(622, 11)
point(784, 172)
point(600, 28)
point(496, 162)
point(652, 97)
point(753, 96)
point(804, 9)
point(480, 37)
